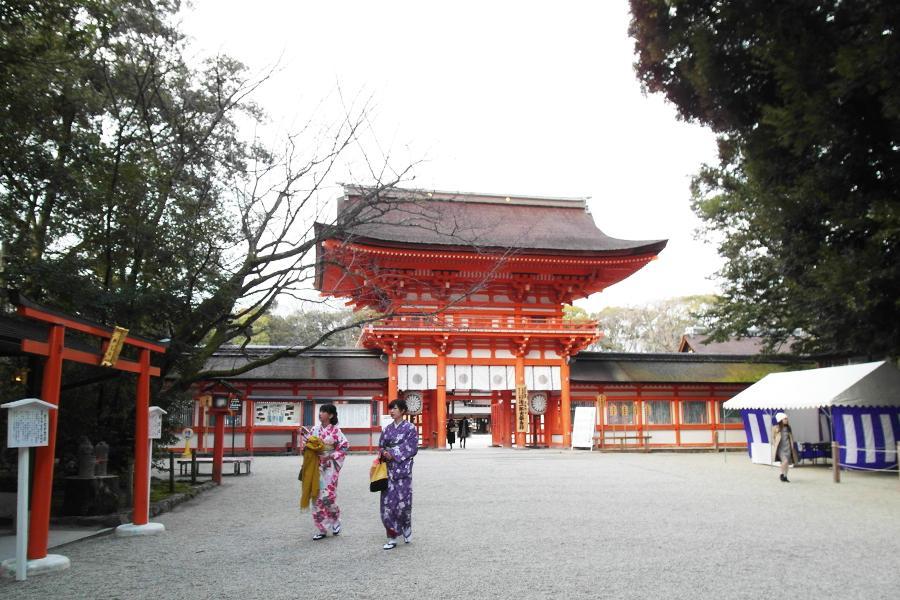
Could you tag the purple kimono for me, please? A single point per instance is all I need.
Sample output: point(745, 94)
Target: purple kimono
point(402, 441)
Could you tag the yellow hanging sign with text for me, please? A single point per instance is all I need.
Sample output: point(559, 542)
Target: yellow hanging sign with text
point(114, 348)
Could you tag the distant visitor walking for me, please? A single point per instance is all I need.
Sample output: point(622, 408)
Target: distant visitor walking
point(783, 444)
point(451, 432)
point(326, 445)
point(399, 444)
point(465, 428)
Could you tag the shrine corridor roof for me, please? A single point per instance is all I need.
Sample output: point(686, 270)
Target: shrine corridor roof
point(336, 364)
point(411, 218)
point(323, 364)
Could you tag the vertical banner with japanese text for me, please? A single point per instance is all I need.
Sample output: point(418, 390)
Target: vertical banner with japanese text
point(521, 409)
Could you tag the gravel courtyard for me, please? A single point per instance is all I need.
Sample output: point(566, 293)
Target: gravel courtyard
point(498, 523)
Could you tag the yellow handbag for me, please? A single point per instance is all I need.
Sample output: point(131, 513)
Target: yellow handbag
point(378, 477)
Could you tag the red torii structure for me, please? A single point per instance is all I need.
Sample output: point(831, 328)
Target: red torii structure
point(55, 351)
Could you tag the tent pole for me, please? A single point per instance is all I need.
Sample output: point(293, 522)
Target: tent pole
point(836, 462)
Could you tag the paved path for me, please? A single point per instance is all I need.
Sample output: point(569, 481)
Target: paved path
point(495, 523)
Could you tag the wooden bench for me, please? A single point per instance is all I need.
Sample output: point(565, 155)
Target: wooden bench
point(184, 464)
point(603, 439)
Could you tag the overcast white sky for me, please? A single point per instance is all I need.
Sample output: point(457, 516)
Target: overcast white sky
point(512, 98)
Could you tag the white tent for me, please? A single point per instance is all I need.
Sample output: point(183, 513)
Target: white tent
point(867, 384)
point(856, 405)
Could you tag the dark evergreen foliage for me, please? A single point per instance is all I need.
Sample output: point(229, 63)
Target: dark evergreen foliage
point(805, 201)
point(130, 196)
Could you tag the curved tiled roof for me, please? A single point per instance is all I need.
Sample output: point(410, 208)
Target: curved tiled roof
point(321, 364)
point(408, 218)
point(587, 367)
point(610, 367)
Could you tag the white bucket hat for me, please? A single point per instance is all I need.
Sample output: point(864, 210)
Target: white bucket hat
point(780, 417)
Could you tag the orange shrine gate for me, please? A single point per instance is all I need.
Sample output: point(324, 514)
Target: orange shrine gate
point(475, 286)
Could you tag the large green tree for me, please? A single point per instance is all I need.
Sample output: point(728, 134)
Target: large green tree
point(804, 202)
point(130, 194)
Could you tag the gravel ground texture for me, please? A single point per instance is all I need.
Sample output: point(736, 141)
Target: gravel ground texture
point(518, 524)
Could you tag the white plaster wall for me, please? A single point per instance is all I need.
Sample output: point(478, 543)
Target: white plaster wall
point(732, 436)
point(662, 436)
point(696, 436)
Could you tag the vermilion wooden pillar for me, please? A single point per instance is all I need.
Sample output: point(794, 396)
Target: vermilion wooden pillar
point(141, 443)
point(441, 402)
point(549, 423)
point(249, 424)
point(496, 429)
point(392, 381)
point(219, 446)
point(565, 403)
point(39, 522)
point(505, 416)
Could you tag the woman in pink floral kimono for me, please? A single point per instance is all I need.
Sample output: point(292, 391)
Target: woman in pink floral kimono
point(325, 509)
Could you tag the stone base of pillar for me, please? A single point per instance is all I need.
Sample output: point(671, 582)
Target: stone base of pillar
point(48, 564)
point(130, 529)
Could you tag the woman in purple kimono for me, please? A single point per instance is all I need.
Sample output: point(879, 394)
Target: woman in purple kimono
point(399, 444)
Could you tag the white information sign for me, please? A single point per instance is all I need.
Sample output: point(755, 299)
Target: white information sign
point(28, 427)
point(155, 428)
point(28, 424)
point(583, 427)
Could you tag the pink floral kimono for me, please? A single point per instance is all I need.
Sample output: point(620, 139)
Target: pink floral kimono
point(325, 509)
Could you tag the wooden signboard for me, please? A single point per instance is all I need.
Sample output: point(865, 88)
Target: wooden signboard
point(28, 423)
point(114, 348)
point(155, 429)
point(521, 409)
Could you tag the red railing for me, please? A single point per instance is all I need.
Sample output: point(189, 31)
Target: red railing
point(480, 324)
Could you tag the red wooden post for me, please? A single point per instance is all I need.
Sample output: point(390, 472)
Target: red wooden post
point(393, 386)
point(565, 404)
point(505, 418)
point(440, 424)
point(218, 446)
point(496, 438)
point(39, 525)
point(141, 443)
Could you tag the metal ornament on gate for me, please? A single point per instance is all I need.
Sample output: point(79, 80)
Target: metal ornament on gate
point(413, 402)
point(537, 403)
